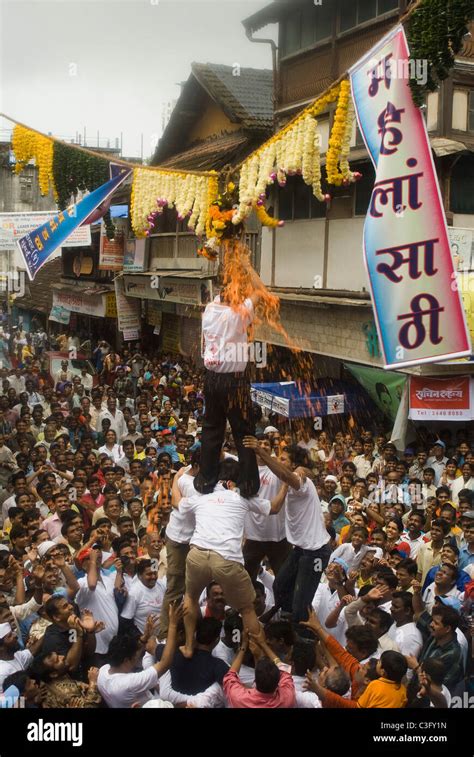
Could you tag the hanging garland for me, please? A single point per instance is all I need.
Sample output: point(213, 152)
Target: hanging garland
point(29, 145)
point(435, 33)
point(153, 191)
point(76, 171)
point(295, 150)
point(337, 162)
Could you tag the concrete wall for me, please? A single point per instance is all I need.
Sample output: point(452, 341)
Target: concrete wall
point(327, 330)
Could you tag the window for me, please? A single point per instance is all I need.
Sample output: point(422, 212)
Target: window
point(297, 202)
point(304, 28)
point(462, 186)
point(355, 12)
point(470, 115)
point(363, 189)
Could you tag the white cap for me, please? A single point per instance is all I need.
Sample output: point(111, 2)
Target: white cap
point(331, 478)
point(5, 629)
point(44, 547)
point(270, 430)
point(157, 703)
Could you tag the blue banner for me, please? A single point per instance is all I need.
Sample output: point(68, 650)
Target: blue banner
point(37, 246)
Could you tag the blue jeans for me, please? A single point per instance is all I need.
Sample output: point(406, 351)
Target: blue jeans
point(298, 578)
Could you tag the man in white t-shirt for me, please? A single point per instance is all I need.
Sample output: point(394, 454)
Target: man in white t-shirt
point(216, 546)
point(12, 658)
point(299, 577)
point(145, 596)
point(178, 535)
point(404, 631)
point(265, 537)
point(96, 593)
point(227, 388)
point(119, 684)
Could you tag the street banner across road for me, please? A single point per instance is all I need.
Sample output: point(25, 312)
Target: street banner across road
point(418, 310)
point(37, 246)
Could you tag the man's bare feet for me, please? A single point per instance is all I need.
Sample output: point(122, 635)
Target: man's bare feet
point(187, 652)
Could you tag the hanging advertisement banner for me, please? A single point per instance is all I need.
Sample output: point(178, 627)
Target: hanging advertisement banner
point(112, 251)
point(446, 399)
point(80, 303)
point(418, 311)
point(37, 246)
point(128, 310)
point(13, 226)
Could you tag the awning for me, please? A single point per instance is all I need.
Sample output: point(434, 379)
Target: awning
point(441, 399)
point(171, 286)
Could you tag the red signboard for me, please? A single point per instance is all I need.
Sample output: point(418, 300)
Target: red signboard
point(441, 398)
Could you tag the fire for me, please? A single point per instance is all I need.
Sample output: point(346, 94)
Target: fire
point(237, 286)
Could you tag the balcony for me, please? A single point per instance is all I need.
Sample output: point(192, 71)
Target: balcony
point(178, 251)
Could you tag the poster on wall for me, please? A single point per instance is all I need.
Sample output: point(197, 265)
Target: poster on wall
point(134, 258)
point(112, 251)
point(128, 310)
point(462, 248)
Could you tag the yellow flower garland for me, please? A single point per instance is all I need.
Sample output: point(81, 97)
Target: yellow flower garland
point(153, 190)
point(265, 219)
point(337, 165)
point(293, 150)
point(28, 145)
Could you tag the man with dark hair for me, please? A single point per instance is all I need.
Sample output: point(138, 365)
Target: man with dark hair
point(274, 686)
point(118, 684)
point(216, 546)
point(299, 576)
point(199, 680)
point(145, 596)
point(444, 585)
point(440, 638)
point(404, 631)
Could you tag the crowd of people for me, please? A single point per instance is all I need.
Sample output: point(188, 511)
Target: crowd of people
point(347, 580)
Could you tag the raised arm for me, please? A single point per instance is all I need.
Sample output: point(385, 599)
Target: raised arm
point(176, 495)
point(93, 572)
point(175, 615)
point(278, 501)
point(280, 470)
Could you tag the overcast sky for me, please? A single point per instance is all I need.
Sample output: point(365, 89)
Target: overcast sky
point(112, 65)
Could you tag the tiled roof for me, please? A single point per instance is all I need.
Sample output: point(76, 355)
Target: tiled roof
point(246, 93)
point(212, 154)
point(245, 96)
point(39, 294)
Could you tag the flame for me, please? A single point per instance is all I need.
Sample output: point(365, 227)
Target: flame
point(237, 286)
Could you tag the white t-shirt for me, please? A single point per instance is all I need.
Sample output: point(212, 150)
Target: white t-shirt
point(21, 661)
point(123, 689)
point(304, 518)
point(429, 596)
point(408, 638)
point(101, 603)
point(181, 525)
point(305, 699)
point(142, 602)
point(115, 453)
point(259, 527)
point(220, 518)
point(225, 653)
point(224, 333)
point(324, 602)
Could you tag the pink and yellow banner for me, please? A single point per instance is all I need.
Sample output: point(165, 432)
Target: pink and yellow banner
point(418, 311)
